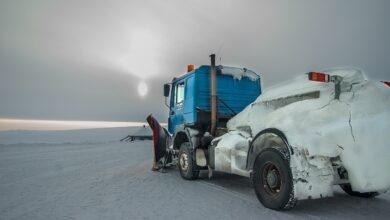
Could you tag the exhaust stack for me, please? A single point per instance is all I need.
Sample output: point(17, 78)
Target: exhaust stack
point(213, 93)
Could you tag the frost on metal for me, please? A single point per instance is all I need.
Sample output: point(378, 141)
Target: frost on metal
point(354, 129)
point(313, 177)
point(231, 153)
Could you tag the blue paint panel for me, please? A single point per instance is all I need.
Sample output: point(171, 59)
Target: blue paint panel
point(237, 94)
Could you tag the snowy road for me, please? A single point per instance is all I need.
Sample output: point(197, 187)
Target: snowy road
point(114, 181)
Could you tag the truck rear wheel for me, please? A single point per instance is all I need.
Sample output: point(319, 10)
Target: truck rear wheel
point(186, 163)
point(348, 189)
point(272, 180)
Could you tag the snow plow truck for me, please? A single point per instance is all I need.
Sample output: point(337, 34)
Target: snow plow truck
point(295, 140)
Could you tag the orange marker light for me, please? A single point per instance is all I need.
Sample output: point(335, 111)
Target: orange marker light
point(319, 77)
point(190, 67)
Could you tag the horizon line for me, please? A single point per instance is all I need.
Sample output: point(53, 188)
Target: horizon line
point(7, 124)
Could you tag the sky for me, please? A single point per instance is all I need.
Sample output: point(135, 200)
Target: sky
point(86, 59)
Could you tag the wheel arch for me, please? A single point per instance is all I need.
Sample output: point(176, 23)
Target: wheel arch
point(180, 137)
point(186, 134)
point(267, 138)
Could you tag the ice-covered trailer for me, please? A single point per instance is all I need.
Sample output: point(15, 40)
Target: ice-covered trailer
point(295, 141)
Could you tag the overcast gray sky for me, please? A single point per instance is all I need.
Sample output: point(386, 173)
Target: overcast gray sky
point(83, 60)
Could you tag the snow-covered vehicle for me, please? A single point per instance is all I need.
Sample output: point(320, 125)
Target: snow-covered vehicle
point(296, 140)
point(303, 137)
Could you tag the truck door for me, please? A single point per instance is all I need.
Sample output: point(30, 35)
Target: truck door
point(176, 107)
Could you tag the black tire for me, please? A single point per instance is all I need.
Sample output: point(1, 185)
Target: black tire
point(272, 180)
point(186, 163)
point(348, 189)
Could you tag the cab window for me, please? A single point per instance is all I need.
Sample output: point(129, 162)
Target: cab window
point(179, 99)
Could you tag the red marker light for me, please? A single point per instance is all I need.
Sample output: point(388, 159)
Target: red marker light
point(386, 83)
point(319, 77)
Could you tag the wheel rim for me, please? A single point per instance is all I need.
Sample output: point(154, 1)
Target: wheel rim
point(184, 162)
point(272, 182)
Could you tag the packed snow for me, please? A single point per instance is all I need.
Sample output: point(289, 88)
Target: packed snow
point(231, 153)
point(354, 129)
point(238, 73)
point(112, 180)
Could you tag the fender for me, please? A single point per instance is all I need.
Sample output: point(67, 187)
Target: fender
point(185, 134)
point(254, 151)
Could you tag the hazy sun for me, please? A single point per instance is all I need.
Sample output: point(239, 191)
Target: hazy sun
point(142, 89)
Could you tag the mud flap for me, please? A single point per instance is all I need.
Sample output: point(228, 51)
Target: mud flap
point(200, 157)
point(160, 141)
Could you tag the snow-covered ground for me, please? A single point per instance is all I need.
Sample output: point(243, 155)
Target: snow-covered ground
point(76, 178)
point(90, 136)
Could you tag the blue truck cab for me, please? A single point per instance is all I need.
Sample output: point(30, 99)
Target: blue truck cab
point(189, 102)
point(201, 102)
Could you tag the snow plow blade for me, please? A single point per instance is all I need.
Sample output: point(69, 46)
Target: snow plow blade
point(160, 140)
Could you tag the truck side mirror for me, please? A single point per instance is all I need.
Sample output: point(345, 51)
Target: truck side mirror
point(166, 90)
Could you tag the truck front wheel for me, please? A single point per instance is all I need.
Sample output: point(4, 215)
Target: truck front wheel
point(186, 163)
point(272, 180)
